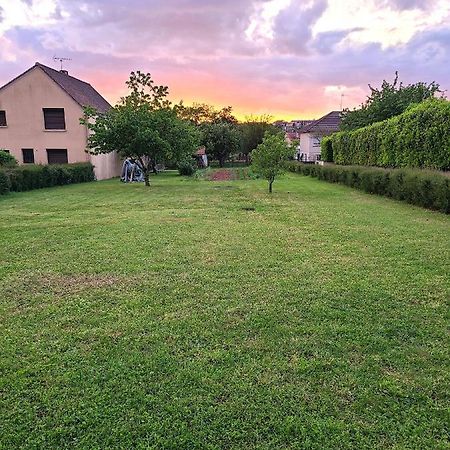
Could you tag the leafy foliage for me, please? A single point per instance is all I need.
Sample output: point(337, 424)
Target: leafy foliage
point(28, 177)
point(5, 184)
point(144, 92)
point(422, 188)
point(200, 113)
point(420, 137)
point(6, 159)
point(326, 149)
point(142, 126)
point(269, 158)
point(253, 130)
point(186, 168)
point(388, 101)
point(220, 139)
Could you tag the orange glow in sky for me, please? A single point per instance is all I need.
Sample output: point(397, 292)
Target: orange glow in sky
point(292, 59)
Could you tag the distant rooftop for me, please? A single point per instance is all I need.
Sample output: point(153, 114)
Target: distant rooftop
point(326, 124)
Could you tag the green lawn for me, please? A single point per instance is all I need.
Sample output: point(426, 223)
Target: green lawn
point(177, 317)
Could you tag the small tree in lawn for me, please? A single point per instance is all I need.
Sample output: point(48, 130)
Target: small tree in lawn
point(269, 158)
point(143, 126)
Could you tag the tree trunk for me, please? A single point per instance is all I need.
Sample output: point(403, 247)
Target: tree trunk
point(221, 162)
point(270, 186)
point(147, 177)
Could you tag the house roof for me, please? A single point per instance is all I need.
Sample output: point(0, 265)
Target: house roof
point(292, 135)
point(83, 93)
point(326, 124)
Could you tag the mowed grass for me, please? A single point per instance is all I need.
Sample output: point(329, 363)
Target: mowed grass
point(177, 317)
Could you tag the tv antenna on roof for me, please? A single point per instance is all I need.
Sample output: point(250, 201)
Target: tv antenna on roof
point(61, 60)
point(342, 98)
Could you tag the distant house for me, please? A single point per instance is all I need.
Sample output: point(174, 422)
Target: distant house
point(293, 126)
point(201, 158)
point(311, 135)
point(39, 120)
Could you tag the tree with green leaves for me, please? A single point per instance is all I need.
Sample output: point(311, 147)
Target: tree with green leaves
point(143, 126)
point(269, 158)
point(200, 113)
point(388, 101)
point(221, 139)
point(253, 130)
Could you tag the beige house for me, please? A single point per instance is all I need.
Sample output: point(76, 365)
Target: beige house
point(311, 135)
point(40, 114)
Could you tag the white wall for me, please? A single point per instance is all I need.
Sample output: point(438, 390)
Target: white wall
point(310, 146)
point(107, 165)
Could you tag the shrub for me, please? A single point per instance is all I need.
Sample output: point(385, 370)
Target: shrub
point(186, 168)
point(419, 187)
point(6, 159)
point(26, 178)
point(418, 138)
point(326, 152)
point(5, 185)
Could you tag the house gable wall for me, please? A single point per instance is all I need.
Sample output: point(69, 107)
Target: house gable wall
point(23, 100)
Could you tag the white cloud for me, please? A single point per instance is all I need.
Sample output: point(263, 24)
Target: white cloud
point(382, 24)
point(262, 22)
point(35, 14)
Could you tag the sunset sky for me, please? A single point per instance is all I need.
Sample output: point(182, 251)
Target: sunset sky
point(288, 58)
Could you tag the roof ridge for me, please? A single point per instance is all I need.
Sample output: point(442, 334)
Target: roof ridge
point(81, 92)
point(43, 66)
point(317, 122)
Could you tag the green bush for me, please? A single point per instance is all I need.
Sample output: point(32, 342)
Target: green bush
point(326, 149)
point(6, 159)
point(186, 168)
point(28, 177)
point(418, 138)
point(419, 187)
point(5, 184)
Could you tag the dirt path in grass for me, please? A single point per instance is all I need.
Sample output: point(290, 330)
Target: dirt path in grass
point(221, 175)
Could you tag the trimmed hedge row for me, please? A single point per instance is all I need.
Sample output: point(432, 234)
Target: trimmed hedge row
point(26, 178)
point(420, 137)
point(426, 189)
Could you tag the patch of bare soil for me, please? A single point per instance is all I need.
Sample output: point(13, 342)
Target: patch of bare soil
point(221, 175)
point(62, 285)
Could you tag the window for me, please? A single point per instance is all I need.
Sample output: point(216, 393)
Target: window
point(3, 119)
point(316, 141)
point(28, 156)
point(54, 119)
point(57, 156)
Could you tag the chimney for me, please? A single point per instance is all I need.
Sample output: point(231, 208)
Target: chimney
point(65, 72)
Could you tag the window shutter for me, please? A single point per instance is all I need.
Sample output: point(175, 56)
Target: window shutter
point(54, 119)
point(57, 156)
point(28, 155)
point(3, 119)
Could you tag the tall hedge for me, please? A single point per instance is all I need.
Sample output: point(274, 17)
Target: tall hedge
point(28, 177)
point(420, 137)
point(419, 187)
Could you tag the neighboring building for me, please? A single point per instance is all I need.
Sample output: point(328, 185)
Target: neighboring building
point(298, 124)
point(312, 134)
point(282, 124)
point(40, 113)
point(201, 158)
